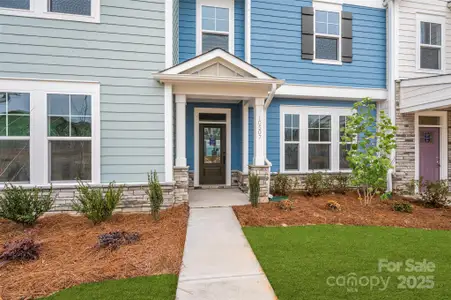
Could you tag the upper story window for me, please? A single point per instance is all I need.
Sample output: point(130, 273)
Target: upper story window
point(73, 10)
point(215, 25)
point(327, 35)
point(431, 54)
point(63, 144)
point(430, 45)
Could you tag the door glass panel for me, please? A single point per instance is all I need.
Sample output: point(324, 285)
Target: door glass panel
point(212, 145)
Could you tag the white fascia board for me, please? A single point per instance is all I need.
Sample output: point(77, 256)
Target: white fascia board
point(331, 93)
point(218, 53)
point(181, 78)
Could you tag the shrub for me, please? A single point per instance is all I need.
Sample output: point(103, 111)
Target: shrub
point(372, 142)
point(340, 183)
point(315, 185)
point(403, 207)
point(333, 206)
point(116, 239)
point(94, 204)
point(435, 194)
point(25, 249)
point(254, 189)
point(286, 205)
point(281, 184)
point(155, 194)
point(24, 206)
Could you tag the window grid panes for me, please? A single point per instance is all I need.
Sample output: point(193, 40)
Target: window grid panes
point(327, 31)
point(69, 131)
point(431, 44)
point(215, 28)
point(344, 147)
point(14, 137)
point(291, 137)
point(319, 139)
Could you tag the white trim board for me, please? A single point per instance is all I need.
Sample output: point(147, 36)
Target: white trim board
point(38, 90)
point(227, 112)
point(443, 142)
point(367, 3)
point(39, 9)
point(330, 93)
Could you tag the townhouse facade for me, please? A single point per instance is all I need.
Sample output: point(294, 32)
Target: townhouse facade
point(202, 91)
point(420, 86)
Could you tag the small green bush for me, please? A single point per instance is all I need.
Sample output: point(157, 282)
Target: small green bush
point(24, 206)
point(281, 185)
point(315, 185)
point(435, 194)
point(155, 194)
point(254, 189)
point(94, 204)
point(340, 183)
point(403, 207)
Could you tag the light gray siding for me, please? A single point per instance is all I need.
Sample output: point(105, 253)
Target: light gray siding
point(121, 53)
point(408, 35)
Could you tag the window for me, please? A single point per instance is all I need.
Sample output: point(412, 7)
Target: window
point(14, 137)
point(15, 4)
point(344, 147)
point(327, 35)
point(75, 7)
point(69, 132)
point(311, 139)
point(319, 139)
point(430, 46)
point(73, 10)
point(49, 132)
point(291, 138)
point(215, 25)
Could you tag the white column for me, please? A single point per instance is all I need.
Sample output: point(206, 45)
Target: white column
point(259, 131)
point(180, 106)
point(247, 30)
point(245, 137)
point(168, 133)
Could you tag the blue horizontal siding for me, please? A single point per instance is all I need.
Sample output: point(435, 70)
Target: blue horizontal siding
point(187, 29)
point(237, 132)
point(273, 123)
point(276, 46)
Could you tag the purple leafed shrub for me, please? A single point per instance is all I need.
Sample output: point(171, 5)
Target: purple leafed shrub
point(116, 239)
point(25, 249)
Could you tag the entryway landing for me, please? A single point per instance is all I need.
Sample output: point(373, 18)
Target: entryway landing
point(200, 198)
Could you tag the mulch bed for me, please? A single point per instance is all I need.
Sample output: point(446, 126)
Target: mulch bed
point(312, 211)
point(69, 256)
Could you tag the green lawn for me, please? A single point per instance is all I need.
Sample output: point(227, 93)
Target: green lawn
point(299, 261)
point(150, 288)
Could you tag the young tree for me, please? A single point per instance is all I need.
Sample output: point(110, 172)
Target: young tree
point(372, 143)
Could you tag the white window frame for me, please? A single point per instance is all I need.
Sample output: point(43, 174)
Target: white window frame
point(40, 9)
point(329, 7)
point(230, 5)
point(39, 140)
point(437, 20)
point(304, 112)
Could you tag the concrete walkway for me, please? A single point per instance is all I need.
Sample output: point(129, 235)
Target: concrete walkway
point(218, 262)
point(217, 198)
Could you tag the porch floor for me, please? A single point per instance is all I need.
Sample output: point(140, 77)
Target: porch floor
point(216, 198)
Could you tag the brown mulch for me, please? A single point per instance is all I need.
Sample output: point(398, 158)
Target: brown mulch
point(68, 256)
point(312, 211)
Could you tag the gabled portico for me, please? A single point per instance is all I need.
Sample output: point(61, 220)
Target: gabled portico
point(218, 89)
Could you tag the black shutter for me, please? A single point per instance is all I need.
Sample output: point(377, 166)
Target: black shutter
point(346, 37)
point(307, 33)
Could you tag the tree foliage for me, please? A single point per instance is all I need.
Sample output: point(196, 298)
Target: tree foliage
point(372, 143)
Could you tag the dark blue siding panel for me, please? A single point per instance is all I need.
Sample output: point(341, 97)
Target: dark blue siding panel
point(276, 46)
point(187, 30)
point(237, 132)
point(273, 124)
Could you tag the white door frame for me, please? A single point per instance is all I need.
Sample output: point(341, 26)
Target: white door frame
point(443, 141)
point(227, 112)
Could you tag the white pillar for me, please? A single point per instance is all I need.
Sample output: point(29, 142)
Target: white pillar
point(168, 133)
point(259, 131)
point(245, 137)
point(180, 106)
point(247, 30)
